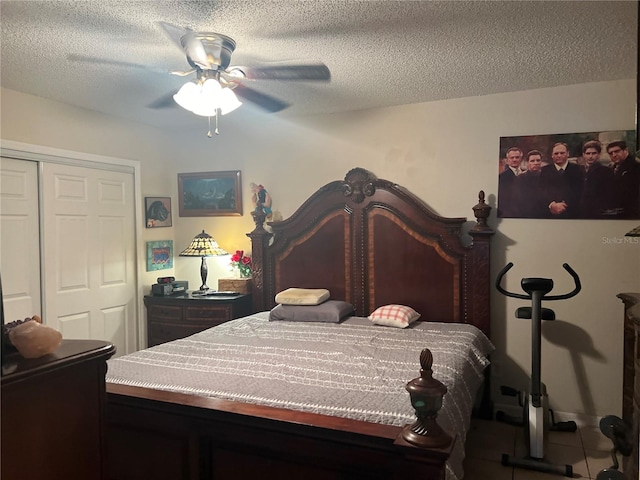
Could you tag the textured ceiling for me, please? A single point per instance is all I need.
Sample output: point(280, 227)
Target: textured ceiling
point(380, 53)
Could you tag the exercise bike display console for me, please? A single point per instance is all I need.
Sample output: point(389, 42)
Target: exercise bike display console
point(537, 417)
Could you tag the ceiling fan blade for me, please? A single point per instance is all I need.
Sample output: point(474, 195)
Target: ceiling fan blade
point(195, 50)
point(312, 72)
point(188, 42)
point(174, 33)
point(166, 101)
point(182, 73)
point(262, 100)
point(104, 61)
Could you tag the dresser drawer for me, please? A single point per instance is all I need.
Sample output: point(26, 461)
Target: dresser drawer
point(209, 314)
point(170, 318)
point(164, 313)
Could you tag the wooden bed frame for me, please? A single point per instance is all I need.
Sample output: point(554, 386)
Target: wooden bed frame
point(370, 242)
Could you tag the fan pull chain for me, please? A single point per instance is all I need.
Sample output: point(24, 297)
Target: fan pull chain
point(217, 132)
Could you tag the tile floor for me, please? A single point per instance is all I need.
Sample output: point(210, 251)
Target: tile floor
point(587, 450)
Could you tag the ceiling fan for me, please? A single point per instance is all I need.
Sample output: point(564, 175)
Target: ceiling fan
point(209, 56)
point(216, 85)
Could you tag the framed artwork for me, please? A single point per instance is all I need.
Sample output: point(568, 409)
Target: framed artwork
point(209, 194)
point(157, 212)
point(588, 176)
point(159, 255)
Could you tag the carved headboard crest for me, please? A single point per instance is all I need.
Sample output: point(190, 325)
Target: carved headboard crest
point(358, 184)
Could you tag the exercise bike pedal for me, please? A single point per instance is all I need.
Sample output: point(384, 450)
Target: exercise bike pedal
point(569, 426)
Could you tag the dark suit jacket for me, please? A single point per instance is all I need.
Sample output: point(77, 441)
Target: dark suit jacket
point(507, 201)
point(530, 196)
point(565, 187)
point(596, 192)
point(626, 188)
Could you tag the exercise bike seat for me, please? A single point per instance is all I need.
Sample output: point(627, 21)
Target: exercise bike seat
point(545, 313)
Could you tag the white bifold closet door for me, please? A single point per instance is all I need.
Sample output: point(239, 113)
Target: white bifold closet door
point(88, 246)
point(19, 239)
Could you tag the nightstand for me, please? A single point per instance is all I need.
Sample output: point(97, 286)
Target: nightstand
point(178, 316)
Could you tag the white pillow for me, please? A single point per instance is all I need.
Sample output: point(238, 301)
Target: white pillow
point(302, 296)
point(399, 316)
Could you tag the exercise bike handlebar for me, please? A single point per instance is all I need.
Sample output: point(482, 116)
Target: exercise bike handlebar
point(502, 273)
point(572, 293)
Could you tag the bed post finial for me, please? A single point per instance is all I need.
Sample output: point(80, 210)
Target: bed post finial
point(426, 398)
point(481, 211)
point(259, 216)
point(259, 240)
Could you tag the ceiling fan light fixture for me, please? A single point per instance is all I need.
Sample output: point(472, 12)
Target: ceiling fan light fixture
point(186, 95)
point(206, 98)
point(228, 101)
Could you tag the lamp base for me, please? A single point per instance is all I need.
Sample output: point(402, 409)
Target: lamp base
point(203, 275)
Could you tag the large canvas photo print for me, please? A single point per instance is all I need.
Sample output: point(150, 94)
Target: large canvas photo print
point(591, 175)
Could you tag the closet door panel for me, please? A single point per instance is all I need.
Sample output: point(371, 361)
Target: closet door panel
point(19, 238)
point(72, 262)
point(90, 231)
point(113, 247)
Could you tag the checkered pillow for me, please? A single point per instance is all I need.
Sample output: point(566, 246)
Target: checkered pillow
point(399, 316)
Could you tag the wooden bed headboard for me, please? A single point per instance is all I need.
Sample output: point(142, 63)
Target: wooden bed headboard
point(371, 242)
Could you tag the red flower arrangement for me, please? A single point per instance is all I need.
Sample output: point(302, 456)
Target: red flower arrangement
point(242, 263)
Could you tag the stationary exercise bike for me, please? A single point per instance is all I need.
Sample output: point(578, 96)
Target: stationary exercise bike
point(537, 415)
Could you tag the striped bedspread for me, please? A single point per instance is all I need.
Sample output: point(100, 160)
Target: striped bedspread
point(351, 369)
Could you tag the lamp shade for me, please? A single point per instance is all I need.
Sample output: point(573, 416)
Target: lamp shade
point(203, 245)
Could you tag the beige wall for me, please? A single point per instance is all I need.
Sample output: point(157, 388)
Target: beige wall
point(444, 152)
point(37, 121)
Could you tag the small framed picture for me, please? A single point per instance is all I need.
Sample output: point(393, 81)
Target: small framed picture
point(209, 194)
point(157, 212)
point(159, 255)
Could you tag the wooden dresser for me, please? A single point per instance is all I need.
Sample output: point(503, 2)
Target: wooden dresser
point(631, 379)
point(178, 316)
point(53, 413)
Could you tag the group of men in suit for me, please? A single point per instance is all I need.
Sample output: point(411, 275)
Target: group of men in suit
point(564, 189)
